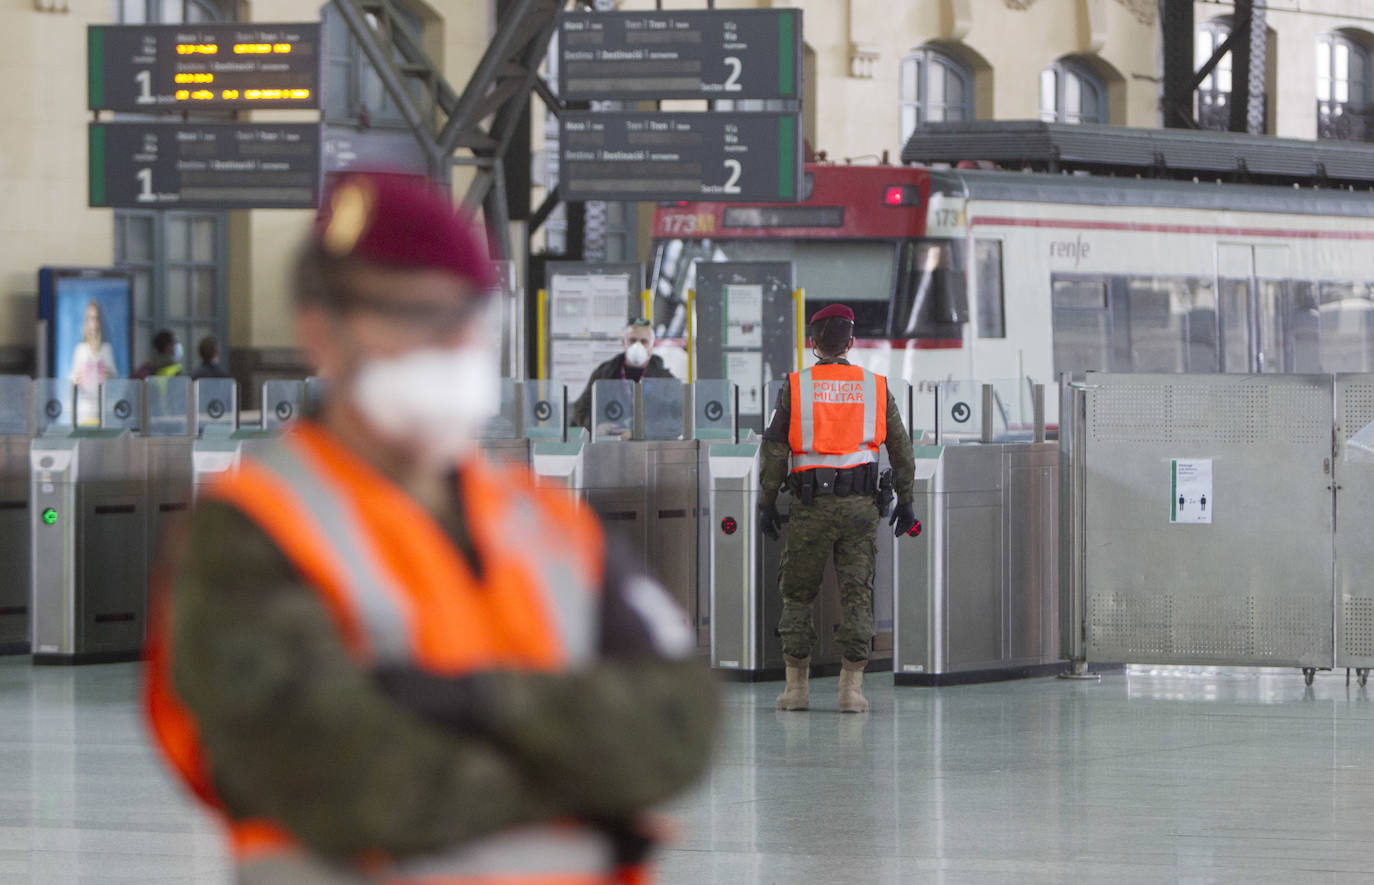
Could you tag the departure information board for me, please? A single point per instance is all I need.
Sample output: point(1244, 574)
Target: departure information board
point(733, 157)
point(205, 165)
point(704, 53)
point(231, 66)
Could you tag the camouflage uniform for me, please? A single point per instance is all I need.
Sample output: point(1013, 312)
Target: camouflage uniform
point(843, 526)
point(294, 730)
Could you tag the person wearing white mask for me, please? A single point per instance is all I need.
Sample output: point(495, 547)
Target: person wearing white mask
point(380, 658)
point(636, 362)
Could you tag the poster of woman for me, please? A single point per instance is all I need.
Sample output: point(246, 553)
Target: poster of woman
point(88, 314)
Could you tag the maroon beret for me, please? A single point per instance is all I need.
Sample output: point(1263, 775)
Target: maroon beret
point(401, 221)
point(834, 310)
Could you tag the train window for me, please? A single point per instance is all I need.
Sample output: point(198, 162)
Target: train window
point(1170, 323)
point(1080, 293)
point(858, 273)
point(931, 299)
point(1082, 324)
point(1346, 326)
point(987, 260)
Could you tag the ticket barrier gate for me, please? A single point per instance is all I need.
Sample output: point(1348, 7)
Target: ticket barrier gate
point(168, 439)
point(977, 596)
point(745, 603)
point(89, 523)
point(531, 411)
point(16, 431)
point(220, 442)
point(641, 472)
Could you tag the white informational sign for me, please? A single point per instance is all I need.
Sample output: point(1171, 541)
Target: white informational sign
point(572, 362)
point(588, 306)
point(746, 370)
point(1191, 491)
point(744, 316)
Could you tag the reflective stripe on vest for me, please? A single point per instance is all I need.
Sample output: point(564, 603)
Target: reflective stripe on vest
point(825, 431)
point(383, 613)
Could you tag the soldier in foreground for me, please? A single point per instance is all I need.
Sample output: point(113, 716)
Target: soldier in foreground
point(382, 660)
point(822, 443)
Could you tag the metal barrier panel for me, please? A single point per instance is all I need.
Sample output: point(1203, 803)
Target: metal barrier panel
point(713, 409)
point(1204, 581)
point(505, 424)
point(282, 402)
point(665, 408)
point(1354, 474)
point(169, 406)
point(542, 409)
point(121, 405)
point(217, 406)
point(53, 407)
point(613, 410)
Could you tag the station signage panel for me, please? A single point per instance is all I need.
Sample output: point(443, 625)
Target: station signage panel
point(203, 66)
point(708, 53)
point(641, 156)
point(151, 165)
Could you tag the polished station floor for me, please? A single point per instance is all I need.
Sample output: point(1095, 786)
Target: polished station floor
point(1153, 776)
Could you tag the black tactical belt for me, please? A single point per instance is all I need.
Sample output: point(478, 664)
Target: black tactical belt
point(840, 482)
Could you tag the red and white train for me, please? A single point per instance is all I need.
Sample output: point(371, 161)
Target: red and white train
point(971, 274)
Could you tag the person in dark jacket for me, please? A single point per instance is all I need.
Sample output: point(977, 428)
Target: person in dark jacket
point(209, 359)
point(636, 362)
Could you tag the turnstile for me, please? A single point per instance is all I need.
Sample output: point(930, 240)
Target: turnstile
point(88, 509)
point(745, 565)
point(167, 442)
point(15, 433)
point(220, 442)
point(977, 591)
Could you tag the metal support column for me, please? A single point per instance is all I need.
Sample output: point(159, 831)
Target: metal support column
point(1247, 68)
point(1176, 22)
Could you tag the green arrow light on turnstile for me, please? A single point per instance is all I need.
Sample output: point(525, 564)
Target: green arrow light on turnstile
point(49, 516)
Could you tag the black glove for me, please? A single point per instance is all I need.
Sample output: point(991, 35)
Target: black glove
point(904, 518)
point(770, 520)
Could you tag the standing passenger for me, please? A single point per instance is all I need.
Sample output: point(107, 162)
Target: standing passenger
point(380, 658)
point(828, 425)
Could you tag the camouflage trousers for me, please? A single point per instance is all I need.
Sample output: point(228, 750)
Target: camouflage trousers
point(847, 528)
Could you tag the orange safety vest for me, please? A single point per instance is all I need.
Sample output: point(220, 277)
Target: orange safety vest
point(401, 593)
point(839, 416)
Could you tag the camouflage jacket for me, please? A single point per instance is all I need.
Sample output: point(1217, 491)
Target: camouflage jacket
point(776, 452)
point(295, 731)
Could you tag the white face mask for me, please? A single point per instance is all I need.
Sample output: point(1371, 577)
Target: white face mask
point(437, 400)
point(637, 355)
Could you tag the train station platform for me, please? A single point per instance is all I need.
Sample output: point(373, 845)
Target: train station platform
point(1156, 775)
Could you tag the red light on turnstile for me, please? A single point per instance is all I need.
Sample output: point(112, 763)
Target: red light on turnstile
point(728, 525)
point(914, 531)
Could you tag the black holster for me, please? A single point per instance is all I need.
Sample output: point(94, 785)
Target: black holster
point(884, 494)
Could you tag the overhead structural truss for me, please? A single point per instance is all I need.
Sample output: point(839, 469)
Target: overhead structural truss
point(469, 128)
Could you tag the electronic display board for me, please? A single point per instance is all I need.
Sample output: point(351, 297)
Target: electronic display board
point(727, 157)
point(230, 66)
point(151, 165)
point(702, 53)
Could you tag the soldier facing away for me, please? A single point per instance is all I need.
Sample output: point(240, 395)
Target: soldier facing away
point(822, 442)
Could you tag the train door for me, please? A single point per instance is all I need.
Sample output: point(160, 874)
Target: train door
point(1253, 308)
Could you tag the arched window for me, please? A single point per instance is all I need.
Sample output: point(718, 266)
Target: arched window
point(1343, 88)
point(1214, 94)
point(1071, 93)
point(934, 86)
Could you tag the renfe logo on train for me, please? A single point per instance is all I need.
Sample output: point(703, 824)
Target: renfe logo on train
point(1076, 249)
point(838, 391)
